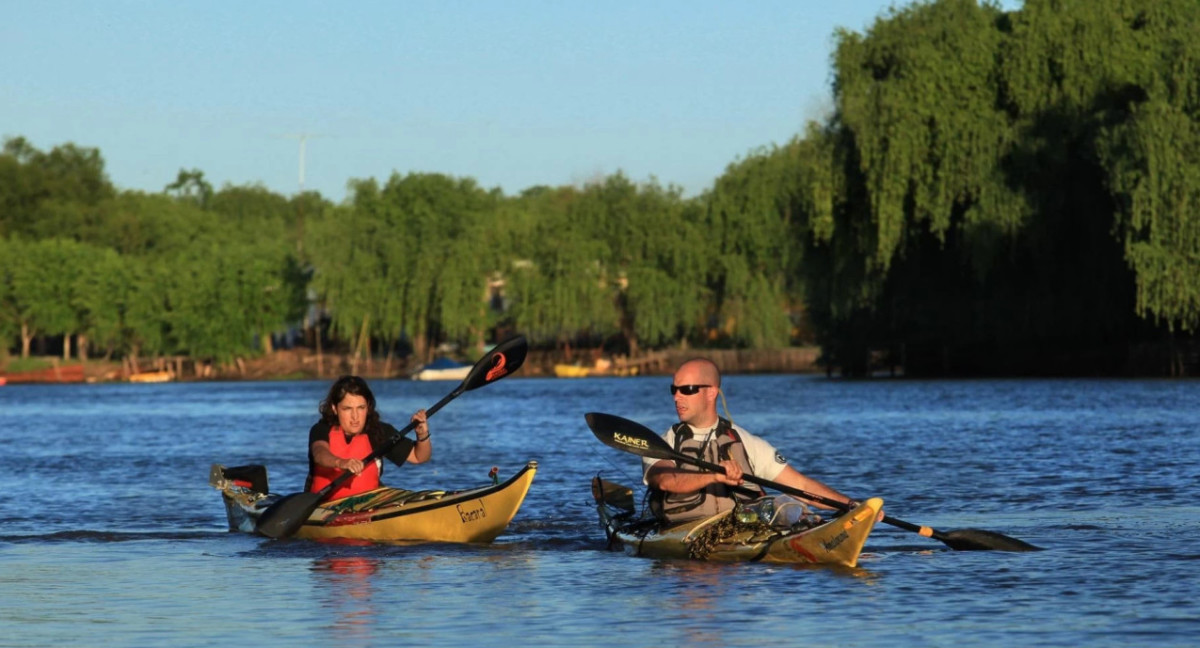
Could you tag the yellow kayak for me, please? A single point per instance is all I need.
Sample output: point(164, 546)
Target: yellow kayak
point(385, 514)
point(737, 535)
point(572, 371)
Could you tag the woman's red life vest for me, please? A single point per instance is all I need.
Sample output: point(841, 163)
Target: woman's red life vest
point(355, 447)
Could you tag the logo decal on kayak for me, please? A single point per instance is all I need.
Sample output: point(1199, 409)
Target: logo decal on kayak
point(497, 371)
point(473, 513)
point(632, 442)
point(836, 540)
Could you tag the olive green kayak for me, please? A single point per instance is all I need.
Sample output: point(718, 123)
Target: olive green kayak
point(768, 530)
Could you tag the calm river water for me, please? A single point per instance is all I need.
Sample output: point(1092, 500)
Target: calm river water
point(110, 534)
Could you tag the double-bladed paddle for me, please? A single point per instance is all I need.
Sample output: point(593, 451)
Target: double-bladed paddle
point(629, 436)
point(286, 516)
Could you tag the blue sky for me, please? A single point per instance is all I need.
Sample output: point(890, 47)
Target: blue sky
point(512, 94)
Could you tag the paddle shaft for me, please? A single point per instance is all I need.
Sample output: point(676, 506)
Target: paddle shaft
point(796, 492)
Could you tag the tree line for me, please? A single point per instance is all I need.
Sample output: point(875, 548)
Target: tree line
point(993, 192)
point(417, 260)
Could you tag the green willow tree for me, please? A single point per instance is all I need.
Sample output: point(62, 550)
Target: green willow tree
point(1007, 196)
point(1151, 155)
point(435, 212)
point(553, 278)
point(652, 260)
point(359, 254)
point(928, 209)
point(271, 279)
point(753, 227)
point(465, 312)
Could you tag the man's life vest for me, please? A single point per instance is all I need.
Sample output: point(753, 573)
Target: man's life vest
point(724, 443)
point(356, 447)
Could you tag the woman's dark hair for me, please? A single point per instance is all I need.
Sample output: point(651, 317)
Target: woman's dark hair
point(358, 387)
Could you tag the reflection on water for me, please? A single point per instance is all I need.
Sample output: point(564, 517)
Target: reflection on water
point(696, 590)
point(346, 592)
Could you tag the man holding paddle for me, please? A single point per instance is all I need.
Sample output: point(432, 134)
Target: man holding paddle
point(682, 492)
point(729, 456)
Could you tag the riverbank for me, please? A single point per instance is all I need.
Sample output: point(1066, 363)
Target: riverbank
point(299, 364)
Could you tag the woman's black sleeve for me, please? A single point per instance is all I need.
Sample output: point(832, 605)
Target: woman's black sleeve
point(399, 452)
point(319, 432)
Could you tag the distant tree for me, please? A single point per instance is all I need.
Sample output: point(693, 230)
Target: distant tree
point(254, 212)
point(43, 279)
point(653, 258)
point(146, 224)
point(224, 294)
point(145, 303)
point(431, 212)
point(555, 280)
point(99, 301)
point(63, 193)
point(190, 187)
point(349, 246)
point(10, 318)
point(755, 232)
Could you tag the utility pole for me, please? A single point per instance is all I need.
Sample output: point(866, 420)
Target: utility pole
point(312, 319)
point(303, 137)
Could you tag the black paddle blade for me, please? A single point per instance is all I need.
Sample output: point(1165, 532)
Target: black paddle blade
point(628, 436)
point(505, 358)
point(285, 517)
point(982, 540)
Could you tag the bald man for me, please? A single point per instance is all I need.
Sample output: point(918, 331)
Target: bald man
point(680, 493)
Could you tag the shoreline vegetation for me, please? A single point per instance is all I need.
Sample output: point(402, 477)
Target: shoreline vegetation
point(304, 364)
point(986, 197)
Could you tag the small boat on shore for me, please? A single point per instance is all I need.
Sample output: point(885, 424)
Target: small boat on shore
point(602, 367)
point(442, 369)
point(55, 374)
point(572, 371)
point(475, 515)
point(772, 529)
point(151, 377)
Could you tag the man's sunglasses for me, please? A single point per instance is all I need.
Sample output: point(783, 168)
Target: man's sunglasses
point(688, 390)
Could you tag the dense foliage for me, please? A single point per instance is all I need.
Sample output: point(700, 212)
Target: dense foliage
point(994, 192)
point(1012, 188)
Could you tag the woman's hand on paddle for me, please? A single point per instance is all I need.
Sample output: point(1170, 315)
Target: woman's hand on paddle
point(422, 423)
point(353, 465)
